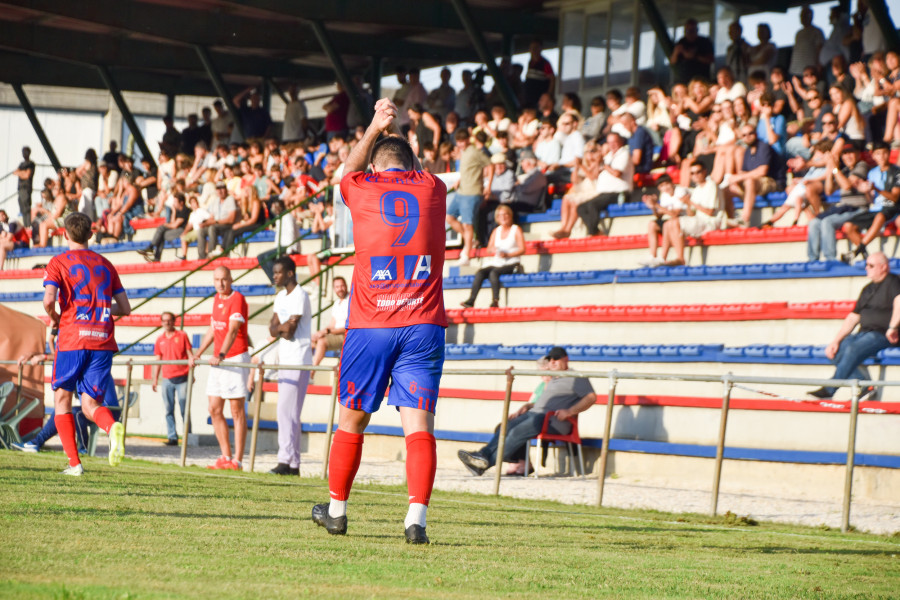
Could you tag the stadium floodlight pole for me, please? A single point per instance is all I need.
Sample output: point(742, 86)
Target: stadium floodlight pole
point(116, 94)
point(128, 368)
point(607, 428)
point(330, 431)
point(851, 458)
point(504, 419)
point(219, 84)
point(258, 396)
point(720, 444)
point(340, 69)
point(186, 421)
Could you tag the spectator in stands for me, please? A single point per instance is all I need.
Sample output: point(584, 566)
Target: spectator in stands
point(13, 236)
point(505, 247)
point(442, 99)
point(805, 192)
point(595, 123)
point(474, 168)
point(253, 213)
point(336, 110)
point(584, 187)
point(222, 124)
point(892, 85)
point(659, 117)
point(131, 204)
point(539, 78)
point(640, 144)
point(222, 215)
point(254, 118)
point(884, 180)
point(227, 334)
point(631, 104)
point(761, 172)
point(737, 55)
point(566, 396)
point(25, 175)
point(426, 127)
point(866, 32)
point(547, 147)
point(692, 55)
point(530, 188)
point(834, 45)
point(572, 149)
point(290, 324)
point(807, 44)
point(702, 206)
point(168, 231)
point(111, 157)
point(172, 344)
point(331, 338)
point(616, 178)
point(729, 87)
point(850, 178)
point(463, 104)
point(295, 117)
point(877, 313)
point(850, 121)
point(171, 140)
point(56, 217)
point(206, 126)
point(190, 135)
point(666, 204)
point(88, 175)
point(547, 108)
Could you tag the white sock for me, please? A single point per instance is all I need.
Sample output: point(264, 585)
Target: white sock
point(415, 515)
point(337, 508)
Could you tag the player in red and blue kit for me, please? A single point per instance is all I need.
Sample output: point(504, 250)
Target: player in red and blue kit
point(396, 322)
point(90, 294)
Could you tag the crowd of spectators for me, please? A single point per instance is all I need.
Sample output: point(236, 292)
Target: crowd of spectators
point(721, 136)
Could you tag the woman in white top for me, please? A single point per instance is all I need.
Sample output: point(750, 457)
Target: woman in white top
point(850, 121)
point(505, 247)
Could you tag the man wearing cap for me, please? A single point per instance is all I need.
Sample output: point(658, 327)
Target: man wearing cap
point(223, 211)
point(567, 396)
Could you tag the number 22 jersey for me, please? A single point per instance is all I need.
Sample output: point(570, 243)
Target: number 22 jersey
point(398, 231)
point(86, 282)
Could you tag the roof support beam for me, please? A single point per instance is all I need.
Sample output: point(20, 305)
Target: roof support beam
point(219, 84)
point(126, 113)
point(506, 93)
point(341, 70)
point(659, 26)
point(32, 116)
point(883, 18)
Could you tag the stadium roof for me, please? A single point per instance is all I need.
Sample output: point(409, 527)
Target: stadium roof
point(157, 45)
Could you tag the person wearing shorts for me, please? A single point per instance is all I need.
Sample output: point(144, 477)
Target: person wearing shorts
point(228, 334)
point(90, 294)
point(396, 323)
point(474, 166)
point(332, 337)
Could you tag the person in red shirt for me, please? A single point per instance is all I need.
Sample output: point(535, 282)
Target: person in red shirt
point(228, 334)
point(396, 320)
point(173, 344)
point(90, 294)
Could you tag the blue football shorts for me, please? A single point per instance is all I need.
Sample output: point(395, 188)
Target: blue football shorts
point(412, 358)
point(83, 371)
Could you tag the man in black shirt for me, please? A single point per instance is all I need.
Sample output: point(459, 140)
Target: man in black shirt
point(25, 173)
point(692, 56)
point(877, 312)
point(168, 231)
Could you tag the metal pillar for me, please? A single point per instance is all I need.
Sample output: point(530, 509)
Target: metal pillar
point(219, 84)
point(508, 45)
point(377, 74)
point(659, 26)
point(170, 106)
point(883, 18)
point(266, 93)
point(340, 69)
point(506, 93)
point(32, 116)
point(126, 113)
point(274, 86)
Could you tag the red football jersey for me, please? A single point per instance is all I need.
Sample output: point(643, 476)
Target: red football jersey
point(232, 308)
point(86, 282)
point(398, 231)
point(177, 347)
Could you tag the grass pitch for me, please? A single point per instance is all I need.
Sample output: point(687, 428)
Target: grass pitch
point(153, 531)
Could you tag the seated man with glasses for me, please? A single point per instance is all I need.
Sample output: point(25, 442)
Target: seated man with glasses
point(761, 172)
point(702, 206)
point(877, 312)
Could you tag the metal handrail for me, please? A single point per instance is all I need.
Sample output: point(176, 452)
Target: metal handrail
point(728, 380)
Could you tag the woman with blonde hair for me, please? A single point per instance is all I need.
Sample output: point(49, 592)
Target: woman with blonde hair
point(584, 182)
point(505, 247)
point(252, 212)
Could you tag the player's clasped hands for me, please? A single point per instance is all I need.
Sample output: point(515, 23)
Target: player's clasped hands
point(385, 113)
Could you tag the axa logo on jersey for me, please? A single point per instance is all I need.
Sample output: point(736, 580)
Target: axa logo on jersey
point(415, 267)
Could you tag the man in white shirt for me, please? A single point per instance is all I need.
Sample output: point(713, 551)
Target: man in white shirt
point(332, 337)
point(572, 143)
point(222, 124)
point(666, 205)
point(616, 177)
point(291, 325)
point(295, 116)
point(703, 205)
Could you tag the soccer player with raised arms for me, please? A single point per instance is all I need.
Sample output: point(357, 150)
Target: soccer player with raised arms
point(90, 294)
point(396, 322)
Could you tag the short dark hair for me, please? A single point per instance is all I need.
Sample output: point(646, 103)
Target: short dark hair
point(393, 149)
point(663, 179)
point(287, 264)
point(481, 137)
point(461, 135)
point(167, 312)
point(78, 227)
point(881, 145)
point(338, 277)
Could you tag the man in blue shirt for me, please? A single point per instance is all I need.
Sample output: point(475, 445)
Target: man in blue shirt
point(762, 172)
point(884, 182)
point(771, 128)
point(640, 144)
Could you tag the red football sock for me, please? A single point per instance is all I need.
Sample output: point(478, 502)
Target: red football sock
point(65, 426)
point(103, 418)
point(421, 463)
point(343, 463)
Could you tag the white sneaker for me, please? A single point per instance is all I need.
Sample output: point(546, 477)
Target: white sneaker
point(116, 444)
point(29, 447)
point(76, 471)
point(726, 181)
point(646, 262)
point(656, 262)
point(463, 261)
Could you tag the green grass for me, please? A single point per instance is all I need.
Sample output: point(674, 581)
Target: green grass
point(153, 531)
